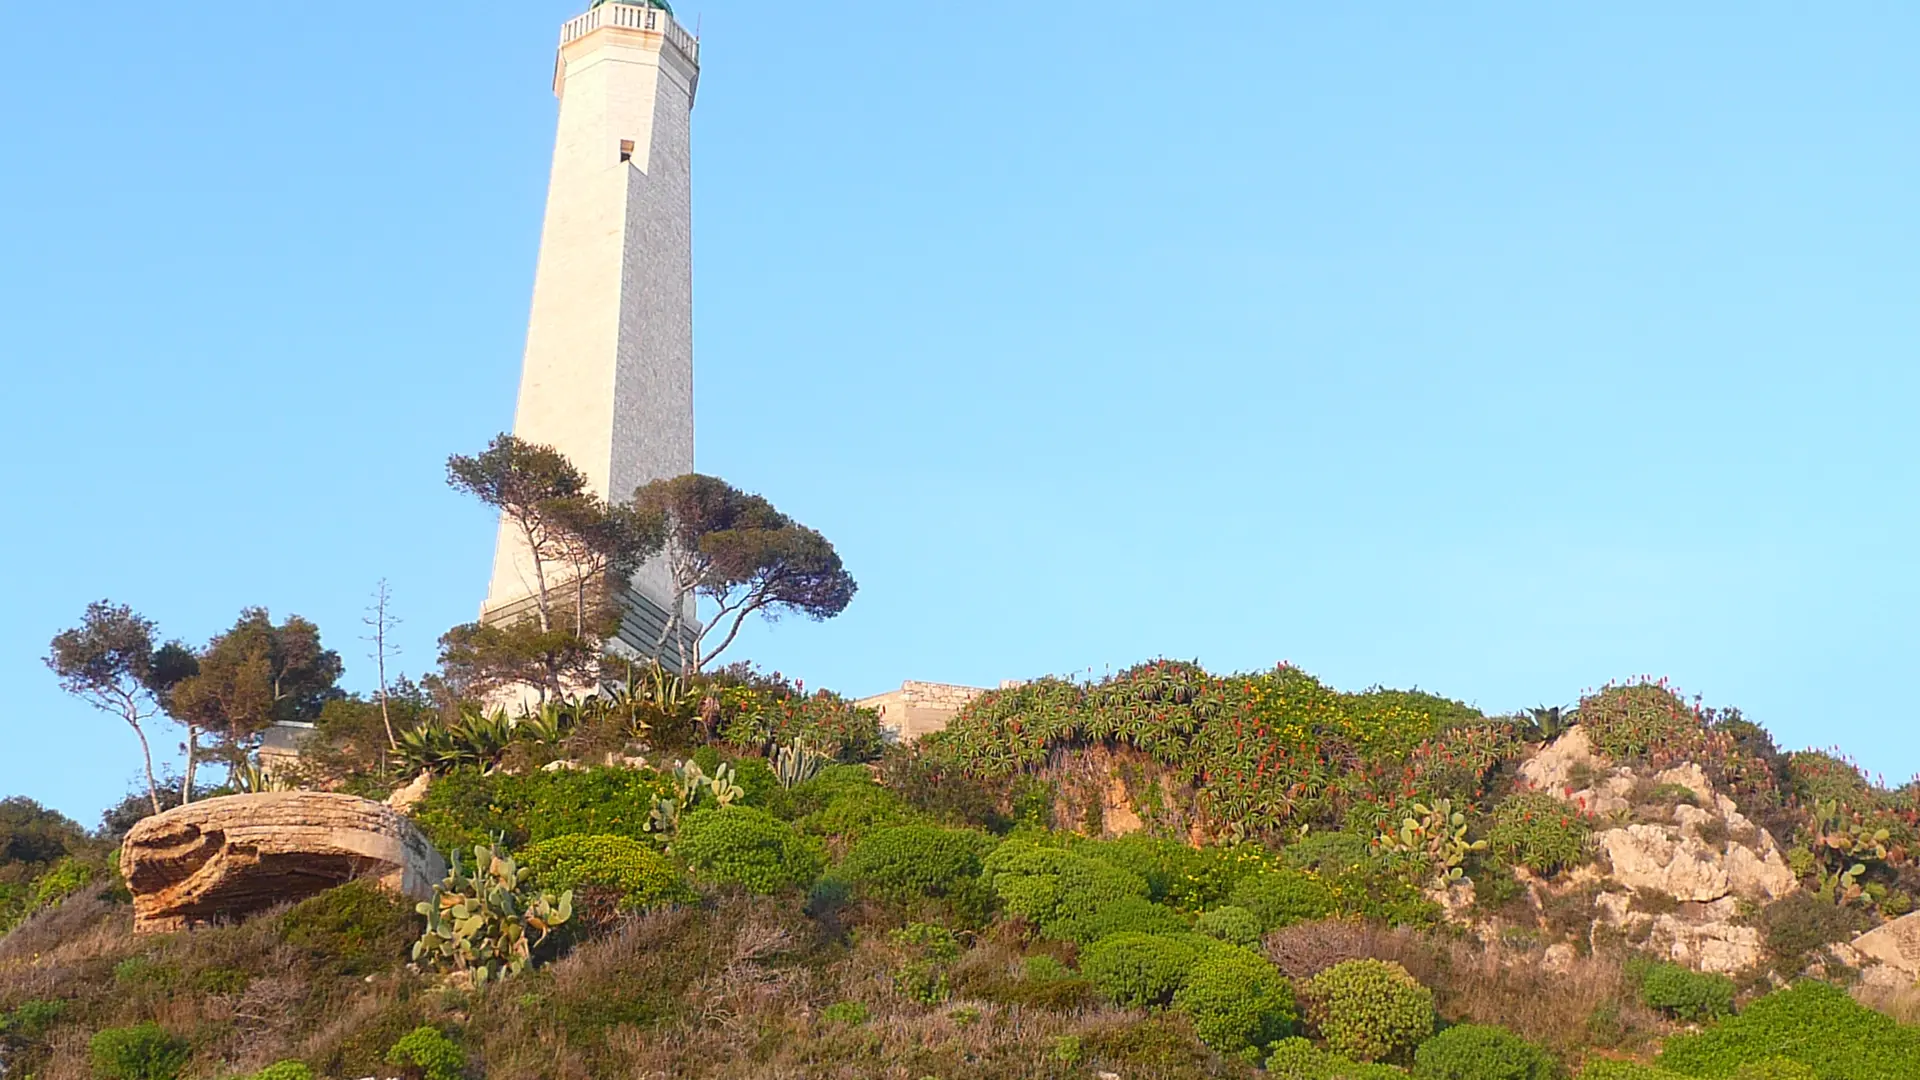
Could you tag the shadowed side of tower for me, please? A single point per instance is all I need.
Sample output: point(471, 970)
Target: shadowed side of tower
point(608, 375)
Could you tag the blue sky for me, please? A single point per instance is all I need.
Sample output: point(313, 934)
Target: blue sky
point(1498, 351)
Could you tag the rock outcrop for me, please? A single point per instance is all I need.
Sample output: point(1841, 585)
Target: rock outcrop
point(229, 857)
point(1678, 872)
point(1893, 947)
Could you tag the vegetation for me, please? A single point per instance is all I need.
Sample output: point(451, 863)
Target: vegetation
point(1369, 1010)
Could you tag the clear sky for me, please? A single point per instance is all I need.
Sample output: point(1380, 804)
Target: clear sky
point(1495, 350)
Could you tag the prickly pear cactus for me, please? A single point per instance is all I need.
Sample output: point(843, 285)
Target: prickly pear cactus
point(1435, 832)
point(483, 923)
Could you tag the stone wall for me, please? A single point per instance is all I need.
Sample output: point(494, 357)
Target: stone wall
point(919, 708)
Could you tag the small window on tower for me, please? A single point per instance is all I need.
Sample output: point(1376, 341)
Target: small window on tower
point(626, 149)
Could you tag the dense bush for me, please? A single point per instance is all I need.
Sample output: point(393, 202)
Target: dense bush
point(1538, 831)
point(284, 1070)
point(1124, 913)
point(907, 862)
point(744, 846)
point(1796, 927)
point(466, 807)
point(1139, 969)
point(1479, 1052)
point(1639, 720)
point(1774, 1069)
point(1231, 924)
point(604, 871)
point(429, 1053)
point(1298, 1059)
point(1060, 891)
point(1682, 992)
point(1283, 897)
point(1369, 1010)
point(1184, 877)
point(1605, 1069)
point(141, 1052)
point(824, 721)
point(1812, 1023)
point(355, 929)
point(1236, 1000)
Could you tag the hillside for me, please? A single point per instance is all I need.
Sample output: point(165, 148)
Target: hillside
point(1167, 873)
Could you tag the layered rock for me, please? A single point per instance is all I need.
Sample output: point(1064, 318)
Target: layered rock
point(1677, 885)
point(1894, 948)
point(229, 857)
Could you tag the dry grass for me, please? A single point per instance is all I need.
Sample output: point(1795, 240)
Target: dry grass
point(1903, 1004)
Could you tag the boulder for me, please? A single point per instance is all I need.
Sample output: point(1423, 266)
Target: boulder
point(1895, 946)
point(229, 857)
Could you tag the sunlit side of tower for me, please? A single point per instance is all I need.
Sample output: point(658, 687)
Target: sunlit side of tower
point(608, 374)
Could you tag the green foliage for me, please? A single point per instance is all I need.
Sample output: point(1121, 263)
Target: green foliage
point(1604, 1069)
point(1539, 832)
point(1479, 1052)
point(851, 1013)
point(1683, 993)
point(1134, 913)
point(31, 1019)
point(1234, 925)
point(1797, 926)
point(740, 845)
point(1812, 1023)
point(1775, 1069)
point(486, 924)
point(796, 763)
point(1279, 898)
point(1236, 1000)
point(630, 874)
point(1183, 877)
point(355, 929)
point(466, 807)
point(1436, 835)
point(284, 1070)
point(1138, 969)
point(1638, 721)
point(1054, 888)
point(1298, 1059)
point(824, 722)
point(1369, 1010)
point(907, 862)
point(429, 1052)
point(690, 787)
point(931, 951)
point(141, 1052)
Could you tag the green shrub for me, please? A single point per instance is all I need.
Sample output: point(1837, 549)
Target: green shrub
point(1125, 913)
point(911, 861)
point(1064, 893)
point(429, 1052)
point(1683, 993)
point(31, 1019)
point(1774, 1069)
point(1298, 1059)
point(834, 784)
point(141, 1052)
point(1177, 874)
point(1602, 1069)
point(931, 950)
point(1639, 720)
point(1231, 924)
point(486, 923)
point(1236, 1000)
point(1538, 831)
point(740, 845)
point(855, 812)
point(1283, 897)
point(1798, 926)
point(630, 874)
point(355, 929)
point(466, 808)
point(1369, 1010)
point(284, 1070)
point(1479, 1052)
point(1139, 969)
point(1812, 1023)
point(851, 1013)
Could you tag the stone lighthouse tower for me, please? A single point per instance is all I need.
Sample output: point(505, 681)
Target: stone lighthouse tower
point(608, 374)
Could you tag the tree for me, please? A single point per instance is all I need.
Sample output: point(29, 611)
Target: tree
point(252, 676)
point(529, 484)
point(110, 662)
point(600, 542)
point(479, 658)
point(736, 551)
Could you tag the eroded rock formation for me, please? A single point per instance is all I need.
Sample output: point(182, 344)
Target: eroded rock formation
point(232, 856)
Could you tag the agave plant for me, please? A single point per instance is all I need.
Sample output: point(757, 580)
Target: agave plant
point(551, 722)
point(250, 779)
point(796, 763)
point(1546, 723)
